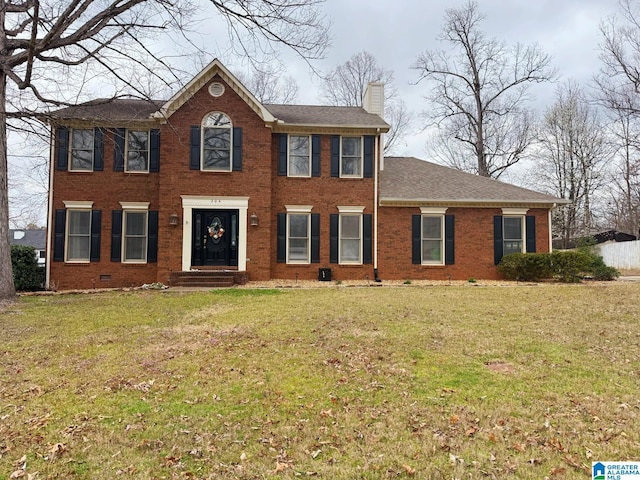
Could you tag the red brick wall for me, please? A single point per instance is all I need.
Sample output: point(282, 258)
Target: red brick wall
point(254, 181)
point(325, 194)
point(473, 244)
point(105, 189)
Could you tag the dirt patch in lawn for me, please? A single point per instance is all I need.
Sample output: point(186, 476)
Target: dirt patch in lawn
point(500, 367)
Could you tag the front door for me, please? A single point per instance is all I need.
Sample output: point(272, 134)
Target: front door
point(215, 238)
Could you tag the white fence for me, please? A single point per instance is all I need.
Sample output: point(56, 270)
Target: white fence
point(625, 255)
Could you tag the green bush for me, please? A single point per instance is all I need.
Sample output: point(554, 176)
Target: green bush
point(526, 267)
point(27, 275)
point(565, 266)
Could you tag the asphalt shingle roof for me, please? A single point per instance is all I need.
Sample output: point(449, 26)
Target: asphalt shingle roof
point(323, 115)
point(29, 238)
point(412, 179)
point(130, 109)
point(112, 110)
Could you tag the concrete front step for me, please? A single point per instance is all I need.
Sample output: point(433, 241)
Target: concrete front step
point(203, 278)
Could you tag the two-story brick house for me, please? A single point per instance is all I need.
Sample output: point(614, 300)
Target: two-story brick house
point(212, 180)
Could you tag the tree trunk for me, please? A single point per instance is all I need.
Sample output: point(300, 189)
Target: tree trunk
point(7, 288)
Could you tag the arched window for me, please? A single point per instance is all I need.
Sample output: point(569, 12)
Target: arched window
point(216, 142)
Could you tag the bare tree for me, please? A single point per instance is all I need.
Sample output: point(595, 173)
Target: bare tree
point(480, 91)
point(270, 86)
point(574, 151)
point(46, 45)
point(347, 83)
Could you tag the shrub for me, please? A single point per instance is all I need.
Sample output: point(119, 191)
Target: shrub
point(27, 275)
point(570, 266)
point(565, 266)
point(526, 267)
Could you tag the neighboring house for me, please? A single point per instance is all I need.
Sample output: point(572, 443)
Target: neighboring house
point(213, 180)
point(36, 238)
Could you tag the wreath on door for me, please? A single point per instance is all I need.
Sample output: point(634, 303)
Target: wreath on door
point(215, 229)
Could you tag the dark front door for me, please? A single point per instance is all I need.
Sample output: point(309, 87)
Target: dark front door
point(215, 238)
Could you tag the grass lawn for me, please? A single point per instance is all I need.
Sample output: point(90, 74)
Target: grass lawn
point(445, 382)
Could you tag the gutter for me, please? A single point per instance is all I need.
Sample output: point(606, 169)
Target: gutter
point(377, 154)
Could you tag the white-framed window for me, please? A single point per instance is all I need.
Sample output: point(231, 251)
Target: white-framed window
point(298, 237)
point(298, 233)
point(81, 150)
point(432, 235)
point(513, 234)
point(216, 142)
point(350, 235)
point(135, 221)
point(137, 156)
point(432, 239)
point(299, 161)
point(78, 232)
point(351, 158)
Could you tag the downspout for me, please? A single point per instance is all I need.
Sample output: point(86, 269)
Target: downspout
point(49, 213)
point(549, 227)
point(375, 208)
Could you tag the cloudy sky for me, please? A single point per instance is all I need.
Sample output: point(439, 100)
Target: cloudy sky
point(568, 30)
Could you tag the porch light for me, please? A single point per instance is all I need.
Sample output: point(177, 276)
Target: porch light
point(173, 219)
point(254, 220)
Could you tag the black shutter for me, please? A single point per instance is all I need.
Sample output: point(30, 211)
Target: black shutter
point(116, 235)
point(367, 238)
point(152, 237)
point(237, 149)
point(334, 220)
point(58, 235)
point(497, 239)
point(194, 156)
point(98, 149)
point(449, 240)
point(368, 156)
point(118, 150)
point(531, 234)
point(315, 155)
point(283, 140)
point(154, 151)
point(335, 155)
point(416, 239)
point(315, 238)
point(282, 238)
point(96, 227)
point(62, 150)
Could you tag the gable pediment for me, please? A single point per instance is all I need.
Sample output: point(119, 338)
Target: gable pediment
point(200, 81)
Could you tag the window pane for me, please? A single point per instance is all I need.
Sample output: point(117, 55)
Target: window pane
point(351, 146)
point(351, 166)
point(432, 251)
point(216, 120)
point(218, 138)
point(512, 247)
point(432, 227)
point(82, 160)
point(78, 235)
point(298, 226)
point(299, 145)
point(298, 249)
point(299, 166)
point(82, 139)
point(79, 222)
point(512, 228)
point(217, 160)
point(350, 250)
point(135, 248)
point(350, 226)
point(136, 223)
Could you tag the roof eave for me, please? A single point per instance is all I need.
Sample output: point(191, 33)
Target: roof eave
point(470, 202)
point(281, 126)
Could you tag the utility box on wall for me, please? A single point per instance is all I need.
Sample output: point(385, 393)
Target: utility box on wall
point(324, 274)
